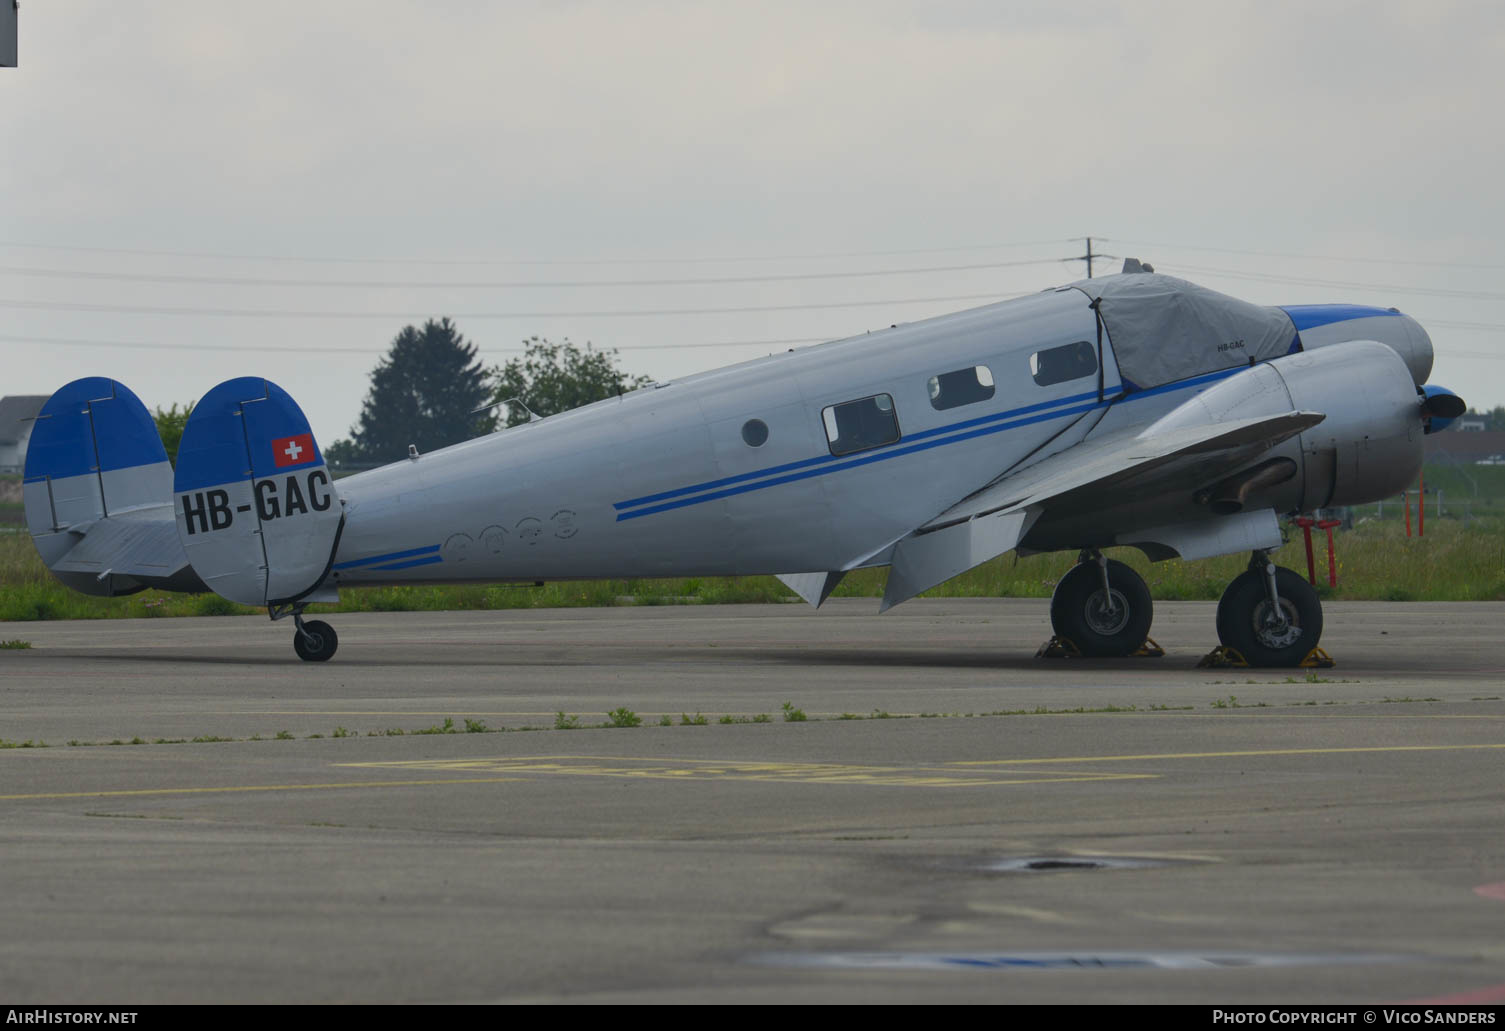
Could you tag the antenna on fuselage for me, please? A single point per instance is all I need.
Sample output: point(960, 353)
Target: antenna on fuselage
point(532, 415)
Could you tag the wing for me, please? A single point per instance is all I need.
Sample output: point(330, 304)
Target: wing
point(995, 518)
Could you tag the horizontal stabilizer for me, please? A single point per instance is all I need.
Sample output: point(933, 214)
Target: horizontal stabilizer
point(140, 546)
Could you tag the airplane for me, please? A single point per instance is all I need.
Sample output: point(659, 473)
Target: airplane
point(1131, 409)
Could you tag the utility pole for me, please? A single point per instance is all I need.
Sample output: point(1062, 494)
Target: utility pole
point(1089, 257)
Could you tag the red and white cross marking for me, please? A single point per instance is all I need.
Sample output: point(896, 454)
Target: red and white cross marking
point(293, 450)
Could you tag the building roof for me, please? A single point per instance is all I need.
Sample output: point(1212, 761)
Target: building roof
point(15, 410)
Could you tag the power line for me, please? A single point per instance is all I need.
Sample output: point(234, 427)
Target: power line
point(1477, 295)
point(260, 313)
point(201, 349)
point(1317, 257)
point(220, 256)
point(146, 277)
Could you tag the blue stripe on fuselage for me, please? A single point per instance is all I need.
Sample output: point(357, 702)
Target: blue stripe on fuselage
point(828, 459)
point(390, 556)
point(825, 464)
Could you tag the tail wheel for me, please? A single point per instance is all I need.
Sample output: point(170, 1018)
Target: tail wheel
point(1248, 622)
point(315, 641)
point(1107, 625)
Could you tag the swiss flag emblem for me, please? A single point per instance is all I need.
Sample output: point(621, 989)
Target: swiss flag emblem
point(297, 450)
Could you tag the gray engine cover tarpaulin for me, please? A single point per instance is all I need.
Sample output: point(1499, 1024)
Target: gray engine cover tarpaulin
point(1164, 329)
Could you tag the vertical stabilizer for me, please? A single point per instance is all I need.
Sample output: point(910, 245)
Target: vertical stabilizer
point(96, 468)
point(256, 508)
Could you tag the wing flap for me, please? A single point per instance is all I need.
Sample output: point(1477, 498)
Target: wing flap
point(923, 560)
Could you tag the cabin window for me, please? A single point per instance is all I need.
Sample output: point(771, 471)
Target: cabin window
point(860, 425)
point(755, 432)
point(962, 387)
point(1067, 362)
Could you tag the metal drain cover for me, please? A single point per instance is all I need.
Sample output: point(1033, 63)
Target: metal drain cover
point(1032, 864)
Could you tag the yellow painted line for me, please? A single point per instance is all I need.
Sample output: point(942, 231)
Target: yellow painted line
point(713, 769)
point(1227, 755)
point(259, 787)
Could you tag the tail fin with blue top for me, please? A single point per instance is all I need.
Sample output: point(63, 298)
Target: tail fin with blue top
point(257, 512)
point(98, 493)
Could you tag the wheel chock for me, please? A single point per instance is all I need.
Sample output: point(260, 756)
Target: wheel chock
point(1059, 647)
point(1148, 650)
point(1223, 657)
point(1317, 659)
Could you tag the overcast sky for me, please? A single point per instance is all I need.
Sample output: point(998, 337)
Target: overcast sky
point(341, 169)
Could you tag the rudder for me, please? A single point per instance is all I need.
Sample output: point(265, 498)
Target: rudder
point(97, 487)
point(256, 509)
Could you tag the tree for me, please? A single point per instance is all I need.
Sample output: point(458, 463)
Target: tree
point(170, 423)
point(552, 378)
point(424, 392)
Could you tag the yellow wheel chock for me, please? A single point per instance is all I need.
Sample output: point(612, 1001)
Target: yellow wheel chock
point(1317, 659)
point(1059, 647)
point(1223, 657)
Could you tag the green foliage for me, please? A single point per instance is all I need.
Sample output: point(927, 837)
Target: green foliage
point(624, 717)
point(474, 726)
point(565, 722)
point(447, 727)
point(424, 392)
point(283, 735)
point(793, 715)
point(15, 643)
point(170, 423)
point(692, 721)
point(551, 378)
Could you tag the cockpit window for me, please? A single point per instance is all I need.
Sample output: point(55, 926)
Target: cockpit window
point(859, 425)
point(962, 387)
point(1059, 364)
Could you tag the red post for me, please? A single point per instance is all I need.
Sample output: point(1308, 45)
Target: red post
point(1405, 497)
point(1332, 552)
point(1421, 506)
point(1305, 522)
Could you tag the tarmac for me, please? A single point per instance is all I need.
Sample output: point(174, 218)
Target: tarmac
point(212, 820)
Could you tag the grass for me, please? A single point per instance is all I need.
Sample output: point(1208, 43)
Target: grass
point(1458, 560)
point(625, 717)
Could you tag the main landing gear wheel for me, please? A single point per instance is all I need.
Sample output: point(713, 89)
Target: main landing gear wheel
point(1109, 624)
point(1262, 633)
point(315, 640)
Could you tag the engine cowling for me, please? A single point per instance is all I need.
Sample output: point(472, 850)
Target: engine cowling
point(1368, 446)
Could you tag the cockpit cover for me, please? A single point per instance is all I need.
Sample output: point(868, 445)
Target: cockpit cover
point(1164, 329)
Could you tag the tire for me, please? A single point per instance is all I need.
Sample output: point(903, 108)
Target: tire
point(317, 643)
point(1244, 612)
point(1077, 612)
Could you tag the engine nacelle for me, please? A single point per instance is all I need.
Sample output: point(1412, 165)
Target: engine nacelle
point(1368, 447)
